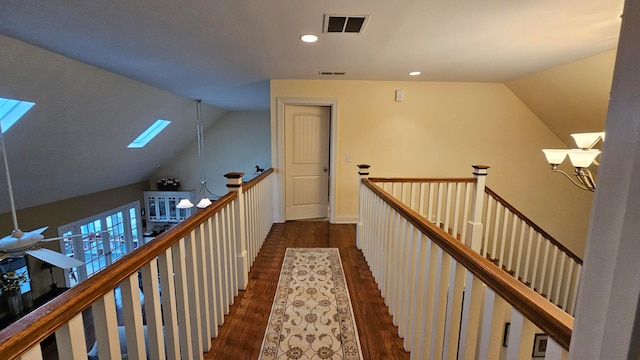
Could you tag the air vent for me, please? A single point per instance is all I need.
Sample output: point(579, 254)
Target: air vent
point(331, 73)
point(352, 24)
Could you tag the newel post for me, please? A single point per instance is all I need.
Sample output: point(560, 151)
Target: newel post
point(474, 226)
point(234, 183)
point(363, 172)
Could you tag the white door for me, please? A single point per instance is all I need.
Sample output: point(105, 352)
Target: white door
point(306, 161)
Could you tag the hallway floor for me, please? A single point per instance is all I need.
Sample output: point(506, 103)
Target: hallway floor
point(241, 335)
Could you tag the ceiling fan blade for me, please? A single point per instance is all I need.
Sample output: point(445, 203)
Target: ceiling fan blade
point(39, 231)
point(89, 235)
point(55, 258)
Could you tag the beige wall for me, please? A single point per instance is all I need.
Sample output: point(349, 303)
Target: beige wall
point(63, 212)
point(441, 129)
point(570, 98)
point(236, 142)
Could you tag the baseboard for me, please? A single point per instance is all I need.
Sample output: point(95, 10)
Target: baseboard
point(346, 220)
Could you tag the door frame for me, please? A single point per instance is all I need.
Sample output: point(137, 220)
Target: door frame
point(279, 158)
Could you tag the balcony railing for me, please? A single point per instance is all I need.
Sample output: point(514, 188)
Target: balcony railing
point(448, 300)
point(501, 233)
point(189, 276)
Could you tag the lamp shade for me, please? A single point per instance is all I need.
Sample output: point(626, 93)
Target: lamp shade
point(587, 140)
point(555, 156)
point(204, 203)
point(583, 158)
point(184, 204)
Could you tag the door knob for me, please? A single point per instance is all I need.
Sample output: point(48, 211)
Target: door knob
point(324, 169)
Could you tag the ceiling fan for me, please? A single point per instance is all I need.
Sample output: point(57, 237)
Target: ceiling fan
point(20, 243)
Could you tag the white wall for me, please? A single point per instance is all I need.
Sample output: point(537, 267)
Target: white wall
point(441, 129)
point(236, 142)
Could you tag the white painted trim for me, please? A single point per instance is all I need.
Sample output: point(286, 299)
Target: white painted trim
point(345, 220)
point(279, 163)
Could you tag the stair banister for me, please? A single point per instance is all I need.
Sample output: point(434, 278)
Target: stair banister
point(547, 316)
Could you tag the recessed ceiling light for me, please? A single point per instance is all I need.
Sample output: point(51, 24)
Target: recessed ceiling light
point(415, 73)
point(308, 38)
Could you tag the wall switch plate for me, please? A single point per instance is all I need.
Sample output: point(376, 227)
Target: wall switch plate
point(347, 158)
point(399, 95)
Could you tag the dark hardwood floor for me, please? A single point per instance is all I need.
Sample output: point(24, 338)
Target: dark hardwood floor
point(241, 335)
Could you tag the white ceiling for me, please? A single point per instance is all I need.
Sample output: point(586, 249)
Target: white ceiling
point(224, 52)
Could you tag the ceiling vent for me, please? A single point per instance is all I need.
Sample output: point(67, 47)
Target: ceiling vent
point(330, 73)
point(353, 24)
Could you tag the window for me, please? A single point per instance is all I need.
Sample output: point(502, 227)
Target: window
point(106, 237)
point(149, 134)
point(11, 111)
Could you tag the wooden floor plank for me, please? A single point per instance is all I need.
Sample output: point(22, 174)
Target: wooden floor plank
point(241, 335)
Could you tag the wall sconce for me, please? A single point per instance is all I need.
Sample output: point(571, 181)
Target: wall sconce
point(580, 158)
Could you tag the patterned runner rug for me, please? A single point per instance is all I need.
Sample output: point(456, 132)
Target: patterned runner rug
point(311, 317)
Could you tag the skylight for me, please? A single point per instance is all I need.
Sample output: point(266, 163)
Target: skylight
point(149, 134)
point(11, 111)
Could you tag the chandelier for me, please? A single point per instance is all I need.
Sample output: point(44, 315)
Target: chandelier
point(581, 158)
point(206, 193)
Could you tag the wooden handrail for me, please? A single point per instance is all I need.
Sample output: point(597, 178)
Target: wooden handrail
point(36, 326)
point(548, 317)
point(533, 225)
point(251, 183)
point(421, 180)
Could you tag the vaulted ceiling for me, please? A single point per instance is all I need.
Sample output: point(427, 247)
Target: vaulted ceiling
point(225, 52)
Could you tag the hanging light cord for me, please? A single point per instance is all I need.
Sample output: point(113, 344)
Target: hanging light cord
point(16, 230)
point(203, 182)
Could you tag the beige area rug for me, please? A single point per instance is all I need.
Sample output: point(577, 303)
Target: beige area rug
point(311, 317)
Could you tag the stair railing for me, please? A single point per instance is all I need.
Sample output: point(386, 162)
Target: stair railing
point(476, 215)
point(448, 301)
point(516, 244)
point(190, 275)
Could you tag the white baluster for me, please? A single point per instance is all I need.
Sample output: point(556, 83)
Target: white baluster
point(182, 299)
point(70, 340)
point(457, 274)
point(440, 306)
point(560, 276)
point(419, 284)
point(105, 323)
point(35, 353)
point(169, 305)
point(471, 311)
point(410, 289)
point(568, 284)
point(503, 238)
point(195, 294)
point(552, 273)
point(487, 229)
point(521, 336)
point(513, 243)
point(544, 265)
point(555, 351)
point(493, 324)
point(536, 269)
point(219, 268)
point(132, 314)
point(210, 263)
point(153, 310)
point(456, 211)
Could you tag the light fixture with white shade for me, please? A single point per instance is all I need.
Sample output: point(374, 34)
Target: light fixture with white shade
point(580, 158)
point(204, 190)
